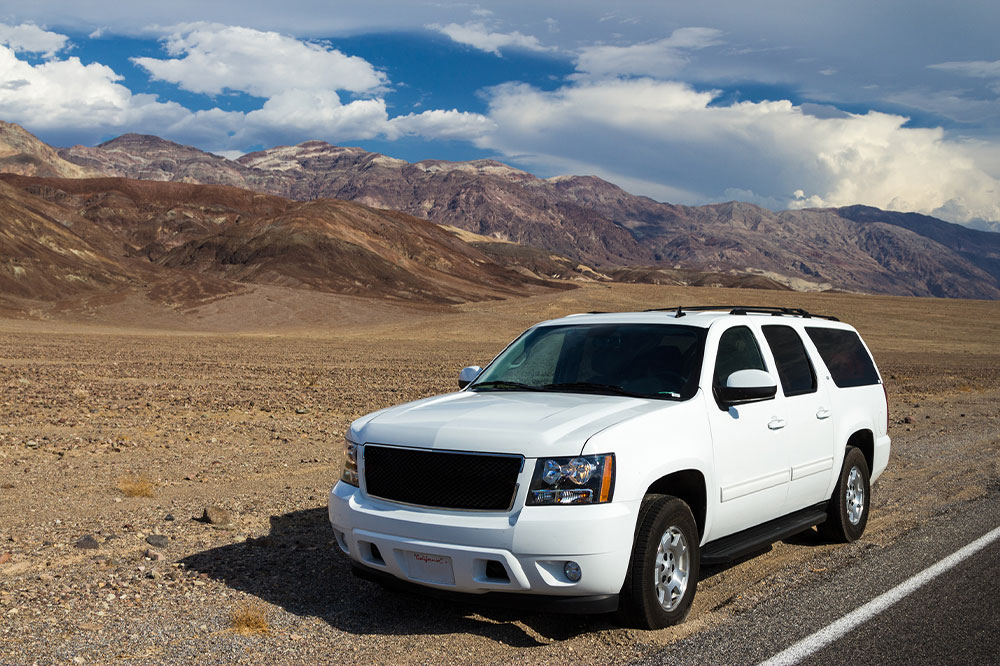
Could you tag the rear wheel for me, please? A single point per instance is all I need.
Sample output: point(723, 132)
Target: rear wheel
point(663, 572)
point(847, 513)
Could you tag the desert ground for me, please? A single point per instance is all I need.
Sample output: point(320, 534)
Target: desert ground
point(120, 423)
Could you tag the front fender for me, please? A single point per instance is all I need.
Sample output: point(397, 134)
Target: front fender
point(653, 445)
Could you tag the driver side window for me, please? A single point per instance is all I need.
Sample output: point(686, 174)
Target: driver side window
point(738, 350)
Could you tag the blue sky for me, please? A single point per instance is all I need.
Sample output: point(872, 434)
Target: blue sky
point(786, 104)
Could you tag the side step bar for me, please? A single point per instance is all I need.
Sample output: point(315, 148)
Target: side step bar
point(737, 545)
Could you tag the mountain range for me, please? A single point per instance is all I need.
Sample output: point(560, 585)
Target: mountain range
point(182, 244)
point(573, 226)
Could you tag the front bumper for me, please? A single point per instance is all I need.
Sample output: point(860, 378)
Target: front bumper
point(592, 605)
point(461, 551)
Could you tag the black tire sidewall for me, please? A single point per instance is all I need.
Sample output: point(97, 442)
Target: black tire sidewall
point(842, 529)
point(643, 607)
point(854, 532)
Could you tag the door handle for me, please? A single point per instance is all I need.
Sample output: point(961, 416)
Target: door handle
point(823, 413)
point(776, 424)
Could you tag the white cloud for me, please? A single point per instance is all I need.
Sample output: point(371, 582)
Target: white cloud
point(440, 124)
point(90, 99)
point(317, 113)
point(29, 38)
point(212, 58)
point(657, 58)
point(477, 35)
point(67, 93)
point(657, 132)
point(231, 154)
point(979, 68)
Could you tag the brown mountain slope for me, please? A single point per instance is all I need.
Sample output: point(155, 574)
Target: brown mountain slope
point(348, 248)
point(679, 277)
point(980, 247)
point(151, 217)
point(23, 153)
point(484, 196)
point(146, 157)
point(818, 246)
point(47, 257)
point(176, 231)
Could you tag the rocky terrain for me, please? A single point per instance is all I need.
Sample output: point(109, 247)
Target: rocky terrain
point(115, 441)
point(183, 244)
point(22, 153)
point(594, 222)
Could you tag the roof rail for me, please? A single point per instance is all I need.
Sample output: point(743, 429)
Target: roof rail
point(774, 311)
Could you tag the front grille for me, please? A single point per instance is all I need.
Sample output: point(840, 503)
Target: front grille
point(442, 479)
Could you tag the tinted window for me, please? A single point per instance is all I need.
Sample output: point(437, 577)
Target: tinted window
point(738, 350)
point(794, 368)
point(845, 356)
point(649, 360)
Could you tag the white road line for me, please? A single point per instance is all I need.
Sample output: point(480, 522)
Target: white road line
point(811, 644)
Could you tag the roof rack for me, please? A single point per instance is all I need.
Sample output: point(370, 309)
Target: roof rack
point(774, 311)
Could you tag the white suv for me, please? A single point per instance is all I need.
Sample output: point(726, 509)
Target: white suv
point(601, 458)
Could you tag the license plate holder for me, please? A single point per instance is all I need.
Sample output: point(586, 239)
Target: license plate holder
point(428, 568)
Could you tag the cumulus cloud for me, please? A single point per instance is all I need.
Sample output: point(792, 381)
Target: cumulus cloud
point(91, 99)
point(29, 38)
point(657, 58)
point(67, 93)
point(212, 58)
point(440, 124)
point(318, 113)
point(670, 139)
point(479, 36)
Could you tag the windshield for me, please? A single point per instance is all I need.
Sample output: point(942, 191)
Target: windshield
point(642, 360)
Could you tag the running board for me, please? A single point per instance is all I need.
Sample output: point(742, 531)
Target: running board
point(756, 538)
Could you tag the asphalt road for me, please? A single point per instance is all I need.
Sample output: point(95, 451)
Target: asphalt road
point(954, 619)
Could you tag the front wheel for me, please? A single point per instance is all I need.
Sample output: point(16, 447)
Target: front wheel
point(847, 513)
point(663, 572)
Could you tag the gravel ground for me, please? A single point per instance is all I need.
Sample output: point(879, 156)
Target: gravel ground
point(252, 424)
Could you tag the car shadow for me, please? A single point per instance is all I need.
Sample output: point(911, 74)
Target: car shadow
point(299, 567)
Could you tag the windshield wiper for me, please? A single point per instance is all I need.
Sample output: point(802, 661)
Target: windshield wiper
point(592, 387)
point(504, 385)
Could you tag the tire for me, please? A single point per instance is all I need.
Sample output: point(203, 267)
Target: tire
point(847, 512)
point(663, 572)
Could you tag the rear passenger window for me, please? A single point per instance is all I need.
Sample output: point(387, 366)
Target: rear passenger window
point(737, 351)
point(845, 356)
point(794, 368)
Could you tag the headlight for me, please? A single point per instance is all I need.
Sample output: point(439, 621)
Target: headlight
point(350, 473)
point(577, 480)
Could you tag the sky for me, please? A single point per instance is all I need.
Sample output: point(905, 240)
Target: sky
point(786, 104)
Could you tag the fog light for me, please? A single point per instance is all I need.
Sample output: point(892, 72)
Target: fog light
point(572, 571)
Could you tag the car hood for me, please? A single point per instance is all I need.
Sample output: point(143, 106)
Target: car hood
point(527, 423)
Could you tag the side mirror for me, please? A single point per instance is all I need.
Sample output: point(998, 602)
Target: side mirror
point(468, 375)
point(745, 386)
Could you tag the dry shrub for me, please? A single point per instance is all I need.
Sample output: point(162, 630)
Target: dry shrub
point(249, 618)
point(136, 486)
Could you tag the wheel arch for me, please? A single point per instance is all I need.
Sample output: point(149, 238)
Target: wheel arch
point(864, 440)
point(689, 486)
